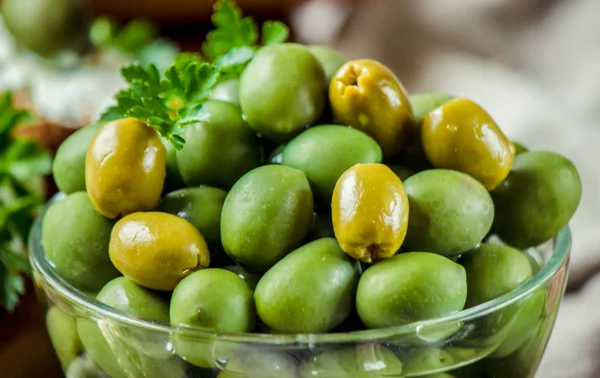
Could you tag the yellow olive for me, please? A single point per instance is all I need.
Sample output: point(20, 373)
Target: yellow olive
point(462, 136)
point(366, 95)
point(369, 210)
point(157, 250)
point(125, 168)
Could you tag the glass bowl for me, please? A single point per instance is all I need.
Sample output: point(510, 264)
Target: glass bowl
point(503, 338)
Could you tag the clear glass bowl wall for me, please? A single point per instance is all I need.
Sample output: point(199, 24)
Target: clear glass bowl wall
point(503, 338)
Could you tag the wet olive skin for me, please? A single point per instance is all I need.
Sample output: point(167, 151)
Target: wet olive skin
point(216, 299)
point(75, 239)
point(330, 59)
point(227, 91)
point(225, 138)
point(173, 179)
point(410, 287)
point(423, 103)
point(125, 168)
point(254, 362)
point(370, 212)
point(213, 299)
point(360, 361)
point(537, 199)
point(285, 296)
point(62, 329)
point(122, 354)
point(202, 208)
point(494, 270)
point(325, 152)
point(282, 90)
point(527, 317)
point(461, 135)
point(266, 215)
point(366, 95)
point(68, 166)
point(450, 212)
point(157, 250)
point(430, 359)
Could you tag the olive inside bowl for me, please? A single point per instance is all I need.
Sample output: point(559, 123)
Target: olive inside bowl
point(505, 337)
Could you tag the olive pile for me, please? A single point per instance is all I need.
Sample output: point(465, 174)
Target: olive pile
point(317, 190)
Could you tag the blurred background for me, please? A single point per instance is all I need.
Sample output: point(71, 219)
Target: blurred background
point(534, 65)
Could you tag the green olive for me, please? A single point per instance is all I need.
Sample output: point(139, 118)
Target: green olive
point(399, 290)
point(266, 215)
point(219, 151)
point(121, 350)
point(62, 329)
point(227, 91)
point(173, 179)
point(75, 239)
point(330, 59)
point(212, 299)
point(202, 208)
point(258, 362)
point(285, 297)
point(537, 199)
point(450, 212)
point(125, 168)
point(354, 362)
point(426, 102)
point(282, 90)
point(325, 152)
point(68, 166)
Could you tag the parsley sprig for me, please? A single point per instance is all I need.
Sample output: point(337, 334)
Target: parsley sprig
point(22, 166)
point(235, 39)
point(169, 101)
point(165, 102)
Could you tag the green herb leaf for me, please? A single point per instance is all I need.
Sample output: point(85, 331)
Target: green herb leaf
point(22, 167)
point(169, 102)
point(274, 32)
point(231, 30)
point(234, 41)
point(12, 286)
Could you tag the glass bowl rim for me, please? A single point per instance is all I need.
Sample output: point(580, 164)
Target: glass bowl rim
point(96, 309)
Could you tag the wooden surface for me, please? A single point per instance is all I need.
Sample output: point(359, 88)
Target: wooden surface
point(25, 348)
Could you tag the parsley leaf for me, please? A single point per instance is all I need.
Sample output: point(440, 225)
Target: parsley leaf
point(166, 102)
point(274, 32)
point(22, 167)
point(174, 99)
point(234, 41)
point(232, 30)
point(12, 286)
